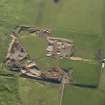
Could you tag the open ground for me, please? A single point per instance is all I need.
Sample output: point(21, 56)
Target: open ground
point(81, 21)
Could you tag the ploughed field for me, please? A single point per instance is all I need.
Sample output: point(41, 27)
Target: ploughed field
point(79, 20)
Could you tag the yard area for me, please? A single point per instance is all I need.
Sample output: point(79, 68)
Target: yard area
point(35, 46)
point(83, 72)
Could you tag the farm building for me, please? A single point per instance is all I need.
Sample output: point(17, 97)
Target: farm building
point(55, 74)
point(59, 47)
point(16, 52)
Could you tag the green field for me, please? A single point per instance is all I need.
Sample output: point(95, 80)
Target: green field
point(83, 73)
point(79, 20)
point(82, 96)
point(8, 88)
point(35, 46)
point(37, 93)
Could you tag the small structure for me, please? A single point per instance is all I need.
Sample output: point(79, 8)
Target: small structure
point(59, 47)
point(44, 33)
point(103, 63)
point(30, 29)
point(31, 70)
point(52, 75)
point(55, 74)
point(16, 52)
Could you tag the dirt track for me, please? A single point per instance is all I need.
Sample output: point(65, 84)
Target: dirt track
point(80, 59)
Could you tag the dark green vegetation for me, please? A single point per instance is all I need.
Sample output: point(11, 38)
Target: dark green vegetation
point(83, 72)
point(34, 93)
point(83, 96)
point(82, 21)
point(9, 94)
point(8, 91)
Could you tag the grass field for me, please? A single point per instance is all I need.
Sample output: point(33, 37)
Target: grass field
point(35, 46)
point(83, 72)
point(37, 93)
point(4, 43)
point(8, 88)
point(8, 91)
point(83, 96)
point(83, 16)
point(79, 20)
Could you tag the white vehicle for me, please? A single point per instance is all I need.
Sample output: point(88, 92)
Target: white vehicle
point(103, 63)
